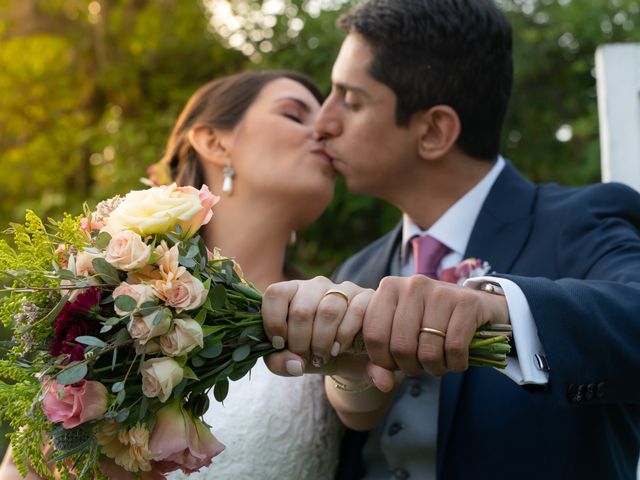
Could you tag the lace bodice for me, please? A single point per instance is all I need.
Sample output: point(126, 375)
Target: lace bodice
point(274, 428)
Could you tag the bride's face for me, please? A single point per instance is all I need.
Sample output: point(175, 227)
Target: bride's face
point(274, 152)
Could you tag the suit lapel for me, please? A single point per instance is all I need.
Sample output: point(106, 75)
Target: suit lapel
point(499, 234)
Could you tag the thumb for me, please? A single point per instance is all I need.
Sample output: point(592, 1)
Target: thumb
point(382, 378)
point(285, 363)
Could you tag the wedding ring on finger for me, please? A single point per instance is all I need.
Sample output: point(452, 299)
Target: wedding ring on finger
point(337, 292)
point(433, 331)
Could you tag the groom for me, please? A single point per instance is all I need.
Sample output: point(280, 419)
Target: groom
point(420, 90)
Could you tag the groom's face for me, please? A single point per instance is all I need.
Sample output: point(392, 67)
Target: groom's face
point(358, 121)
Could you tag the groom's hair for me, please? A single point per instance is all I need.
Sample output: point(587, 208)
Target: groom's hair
point(442, 52)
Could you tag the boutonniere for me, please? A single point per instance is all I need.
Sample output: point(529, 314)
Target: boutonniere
point(468, 268)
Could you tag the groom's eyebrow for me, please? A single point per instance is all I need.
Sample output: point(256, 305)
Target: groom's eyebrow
point(345, 87)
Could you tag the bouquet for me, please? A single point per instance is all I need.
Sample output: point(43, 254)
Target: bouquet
point(123, 323)
point(123, 320)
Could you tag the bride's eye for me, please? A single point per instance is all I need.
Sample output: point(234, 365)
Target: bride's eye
point(293, 116)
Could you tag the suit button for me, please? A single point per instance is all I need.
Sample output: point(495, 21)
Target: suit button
point(600, 391)
point(399, 474)
point(394, 428)
point(416, 390)
point(580, 393)
point(591, 392)
point(572, 390)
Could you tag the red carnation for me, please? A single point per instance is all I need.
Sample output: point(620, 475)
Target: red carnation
point(76, 319)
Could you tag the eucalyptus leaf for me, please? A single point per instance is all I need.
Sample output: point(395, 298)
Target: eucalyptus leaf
point(106, 271)
point(126, 303)
point(73, 374)
point(186, 262)
point(144, 405)
point(211, 351)
point(106, 328)
point(197, 361)
point(117, 387)
point(241, 353)
point(122, 415)
point(120, 397)
point(102, 240)
point(91, 341)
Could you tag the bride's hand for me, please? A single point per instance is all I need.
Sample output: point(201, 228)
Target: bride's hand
point(315, 319)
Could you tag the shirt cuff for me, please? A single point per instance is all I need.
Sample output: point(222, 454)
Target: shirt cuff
point(529, 366)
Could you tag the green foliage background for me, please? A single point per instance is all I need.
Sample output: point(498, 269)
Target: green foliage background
point(89, 91)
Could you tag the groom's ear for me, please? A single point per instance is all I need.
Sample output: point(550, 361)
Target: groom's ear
point(211, 144)
point(438, 130)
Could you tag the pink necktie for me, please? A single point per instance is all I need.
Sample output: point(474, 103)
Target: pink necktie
point(428, 253)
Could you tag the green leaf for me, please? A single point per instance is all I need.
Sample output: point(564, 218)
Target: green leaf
point(188, 373)
point(126, 303)
point(248, 291)
point(102, 240)
point(221, 390)
point(91, 341)
point(218, 296)
point(240, 353)
point(186, 262)
point(73, 374)
point(144, 405)
point(106, 271)
point(201, 317)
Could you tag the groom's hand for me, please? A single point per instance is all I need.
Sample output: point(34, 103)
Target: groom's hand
point(401, 306)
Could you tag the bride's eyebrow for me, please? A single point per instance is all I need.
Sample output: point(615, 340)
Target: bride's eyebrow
point(301, 103)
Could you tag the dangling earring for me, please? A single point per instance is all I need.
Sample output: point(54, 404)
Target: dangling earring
point(293, 238)
point(227, 183)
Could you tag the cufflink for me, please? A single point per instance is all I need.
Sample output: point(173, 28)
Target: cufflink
point(490, 287)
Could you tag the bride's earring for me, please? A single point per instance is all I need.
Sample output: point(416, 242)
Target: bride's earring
point(293, 238)
point(227, 183)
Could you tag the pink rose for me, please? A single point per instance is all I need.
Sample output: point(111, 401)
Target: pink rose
point(207, 201)
point(84, 263)
point(179, 438)
point(144, 329)
point(185, 335)
point(160, 376)
point(186, 293)
point(127, 251)
point(78, 403)
point(140, 292)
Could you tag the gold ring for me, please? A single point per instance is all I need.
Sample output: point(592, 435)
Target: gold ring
point(433, 331)
point(337, 292)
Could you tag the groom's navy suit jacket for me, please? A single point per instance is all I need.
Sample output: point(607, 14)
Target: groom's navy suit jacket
point(575, 253)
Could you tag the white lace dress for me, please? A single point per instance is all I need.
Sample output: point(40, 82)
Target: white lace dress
point(274, 428)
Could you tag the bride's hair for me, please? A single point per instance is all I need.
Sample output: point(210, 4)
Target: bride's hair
point(220, 104)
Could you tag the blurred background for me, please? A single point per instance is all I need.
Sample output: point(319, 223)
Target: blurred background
point(89, 90)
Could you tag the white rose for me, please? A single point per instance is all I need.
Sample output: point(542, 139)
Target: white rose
point(127, 251)
point(140, 292)
point(187, 293)
point(185, 335)
point(160, 376)
point(159, 209)
point(142, 328)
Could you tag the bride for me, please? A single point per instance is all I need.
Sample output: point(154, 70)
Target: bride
point(250, 136)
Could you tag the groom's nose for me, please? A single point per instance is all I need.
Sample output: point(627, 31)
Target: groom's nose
point(328, 124)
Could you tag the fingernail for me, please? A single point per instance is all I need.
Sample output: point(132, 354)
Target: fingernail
point(317, 361)
point(294, 368)
point(277, 342)
point(335, 349)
